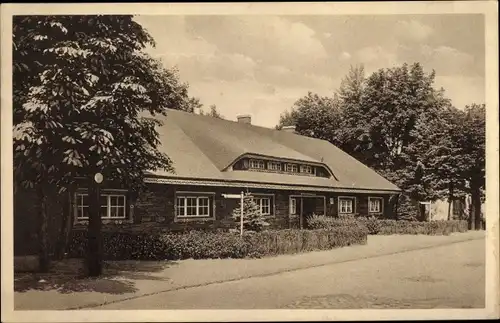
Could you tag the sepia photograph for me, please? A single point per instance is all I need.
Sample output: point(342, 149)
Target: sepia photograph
point(300, 160)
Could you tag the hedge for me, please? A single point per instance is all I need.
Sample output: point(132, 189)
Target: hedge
point(202, 245)
point(388, 227)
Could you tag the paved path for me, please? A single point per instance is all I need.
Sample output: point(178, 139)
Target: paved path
point(133, 280)
point(451, 276)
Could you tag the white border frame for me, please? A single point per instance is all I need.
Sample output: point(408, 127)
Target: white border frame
point(488, 8)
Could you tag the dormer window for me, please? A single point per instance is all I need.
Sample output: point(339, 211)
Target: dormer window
point(292, 168)
point(306, 169)
point(257, 164)
point(274, 166)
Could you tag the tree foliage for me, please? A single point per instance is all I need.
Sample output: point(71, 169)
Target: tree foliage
point(84, 97)
point(314, 116)
point(399, 124)
point(214, 113)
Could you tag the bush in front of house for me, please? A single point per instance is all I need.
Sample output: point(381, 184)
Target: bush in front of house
point(204, 245)
point(324, 222)
point(389, 227)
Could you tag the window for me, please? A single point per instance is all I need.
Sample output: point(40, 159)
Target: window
point(346, 205)
point(264, 204)
point(292, 168)
point(293, 205)
point(82, 206)
point(257, 164)
point(192, 206)
point(306, 169)
point(375, 205)
point(274, 165)
point(112, 206)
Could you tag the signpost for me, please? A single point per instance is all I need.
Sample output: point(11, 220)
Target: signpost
point(237, 196)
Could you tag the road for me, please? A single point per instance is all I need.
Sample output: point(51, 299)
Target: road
point(450, 276)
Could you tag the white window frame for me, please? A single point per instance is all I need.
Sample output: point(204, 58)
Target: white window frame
point(381, 200)
point(257, 164)
point(274, 165)
point(108, 206)
point(304, 167)
point(293, 205)
point(259, 200)
point(347, 198)
point(292, 168)
point(198, 206)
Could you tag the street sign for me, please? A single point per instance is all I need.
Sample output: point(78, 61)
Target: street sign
point(231, 196)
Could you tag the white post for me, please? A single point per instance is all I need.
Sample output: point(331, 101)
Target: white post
point(241, 216)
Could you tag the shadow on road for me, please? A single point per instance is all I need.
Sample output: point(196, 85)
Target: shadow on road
point(68, 276)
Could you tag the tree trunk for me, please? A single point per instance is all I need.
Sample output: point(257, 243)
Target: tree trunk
point(450, 200)
point(471, 220)
point(66, 225)
point(94, 251)
point(476, 206)
point(43, 251)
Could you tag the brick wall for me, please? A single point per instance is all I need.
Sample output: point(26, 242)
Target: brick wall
point(154, 209)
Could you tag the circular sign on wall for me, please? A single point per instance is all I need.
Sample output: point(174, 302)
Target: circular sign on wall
point(98, 178)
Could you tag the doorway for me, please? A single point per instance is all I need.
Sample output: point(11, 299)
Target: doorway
point(306, 206)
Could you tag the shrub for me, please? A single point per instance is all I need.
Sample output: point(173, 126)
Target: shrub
point(326, 222)
point(201, 245)
point(373, 225)
point(429, 228)
point(388, 227)
point(253, 220)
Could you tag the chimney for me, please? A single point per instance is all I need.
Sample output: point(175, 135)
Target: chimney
point(288, 129)
point(245, 118)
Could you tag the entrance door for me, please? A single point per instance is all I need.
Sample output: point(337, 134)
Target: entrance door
point(308, 208)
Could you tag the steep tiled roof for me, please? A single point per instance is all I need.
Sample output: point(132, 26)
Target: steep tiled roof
point(202, 147)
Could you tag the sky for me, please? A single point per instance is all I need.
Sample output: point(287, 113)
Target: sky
point(261, 65)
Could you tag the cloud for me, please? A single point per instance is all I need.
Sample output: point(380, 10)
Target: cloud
point(462, 90)
point(285, 77)
point(344, 56)
point(445, 60)
point(376, 57)
point(412, 30)
point(268, 39)
point(217, 66)
point(263, 64)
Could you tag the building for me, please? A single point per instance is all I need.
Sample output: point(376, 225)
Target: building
point(290, 176)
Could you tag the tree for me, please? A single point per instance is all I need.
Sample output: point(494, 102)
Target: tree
point(252, 217)
point(192, 105)
point(391, 103)
point(436, 146)
point(472, 143)
point(350, 96)
point(314, 116)
point(85, 97)
point(384, 121)
point(213, 112)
